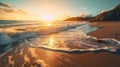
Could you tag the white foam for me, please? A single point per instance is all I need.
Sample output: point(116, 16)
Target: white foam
point(11, 61)
point(81, 42)
point(26, 59)
point(32, 51)
point(66, 37)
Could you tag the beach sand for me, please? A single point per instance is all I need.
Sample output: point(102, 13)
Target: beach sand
point(107, 30)
point(30, 57)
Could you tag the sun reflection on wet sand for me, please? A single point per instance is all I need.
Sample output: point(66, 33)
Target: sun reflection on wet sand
point(54, 42)
point(51, 42)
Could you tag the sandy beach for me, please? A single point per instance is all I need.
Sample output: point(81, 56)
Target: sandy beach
point(45, 58)
point(59, 33)
point(107, 30)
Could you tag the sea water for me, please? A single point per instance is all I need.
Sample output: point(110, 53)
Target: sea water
point(65, 36)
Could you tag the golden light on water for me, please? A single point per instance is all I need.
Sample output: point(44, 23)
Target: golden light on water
point(48, 23)
point(51, 42)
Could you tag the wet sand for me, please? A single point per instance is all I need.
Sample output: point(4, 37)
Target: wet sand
point(24, 56)
point(32, 57)
point(107, 30)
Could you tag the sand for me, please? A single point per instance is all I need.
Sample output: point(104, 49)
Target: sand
point(107, 30)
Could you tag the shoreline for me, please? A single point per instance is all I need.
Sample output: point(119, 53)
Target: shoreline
point(106, 30)
point(26, 56)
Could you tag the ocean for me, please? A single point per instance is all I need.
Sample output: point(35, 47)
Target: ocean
point(62, 36)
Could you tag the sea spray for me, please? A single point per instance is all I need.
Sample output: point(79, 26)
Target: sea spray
point(65, 37)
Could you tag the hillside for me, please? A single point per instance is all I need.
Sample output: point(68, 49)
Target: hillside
point(111, 15)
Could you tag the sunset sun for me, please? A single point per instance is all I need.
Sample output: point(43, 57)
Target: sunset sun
point(47, 17)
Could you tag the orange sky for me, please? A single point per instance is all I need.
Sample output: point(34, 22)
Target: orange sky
point(52, 9)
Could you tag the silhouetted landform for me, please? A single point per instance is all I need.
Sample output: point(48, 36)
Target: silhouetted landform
point(111, 15)
point(79, 18)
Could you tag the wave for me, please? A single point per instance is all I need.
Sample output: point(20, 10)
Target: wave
point(81, 43)
point(9, 35)
point(64, 38)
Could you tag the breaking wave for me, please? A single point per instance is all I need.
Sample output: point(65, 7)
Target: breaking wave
point(79, 42)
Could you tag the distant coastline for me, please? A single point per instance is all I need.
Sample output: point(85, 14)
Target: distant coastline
point(111, 15)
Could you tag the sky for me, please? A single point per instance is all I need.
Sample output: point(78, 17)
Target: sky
point(52, 9)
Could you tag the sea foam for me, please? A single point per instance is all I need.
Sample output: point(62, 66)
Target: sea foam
point(66, 37)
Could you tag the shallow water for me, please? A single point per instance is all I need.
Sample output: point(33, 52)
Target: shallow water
point(59, 36)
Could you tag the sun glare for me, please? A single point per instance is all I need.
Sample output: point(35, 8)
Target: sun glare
point(47, 17)
point(51, 42)
point(49, 24)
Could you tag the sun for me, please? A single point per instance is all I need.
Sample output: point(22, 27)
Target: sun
point(47, 17)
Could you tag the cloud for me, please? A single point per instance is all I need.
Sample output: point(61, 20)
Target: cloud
point(22, 11)
point(5, 4)
point(102, 11)
point(84, 14)
point(8, 12)
point(11, 10)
